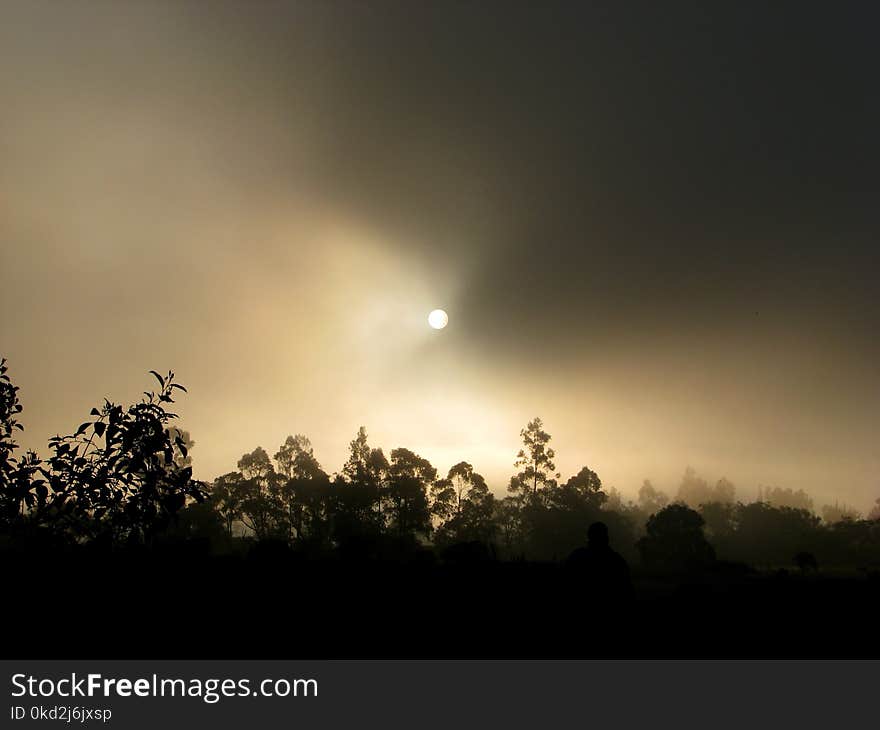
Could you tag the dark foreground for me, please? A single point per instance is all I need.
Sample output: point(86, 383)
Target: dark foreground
point(180, 605)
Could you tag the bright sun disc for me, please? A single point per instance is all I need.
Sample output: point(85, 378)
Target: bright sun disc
point(438, 319)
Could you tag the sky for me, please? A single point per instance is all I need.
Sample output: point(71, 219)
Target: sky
point(652, 224)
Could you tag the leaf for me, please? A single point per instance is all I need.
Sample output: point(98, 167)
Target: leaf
point(94, 412)
point(99, 428)
point(177, 385)
point(82, 429)
point(158, 377)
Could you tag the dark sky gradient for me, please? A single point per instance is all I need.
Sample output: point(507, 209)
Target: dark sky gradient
point(655, 224)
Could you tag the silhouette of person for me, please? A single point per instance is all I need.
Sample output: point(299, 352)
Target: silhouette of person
point(602, 569)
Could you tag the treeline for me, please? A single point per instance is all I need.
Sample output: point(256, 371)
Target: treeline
point(124, 477)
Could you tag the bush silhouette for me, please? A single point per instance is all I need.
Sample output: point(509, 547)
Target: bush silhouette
point(674, 539)
point(120, 478)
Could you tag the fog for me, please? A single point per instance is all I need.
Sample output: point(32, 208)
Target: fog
point(653, 228)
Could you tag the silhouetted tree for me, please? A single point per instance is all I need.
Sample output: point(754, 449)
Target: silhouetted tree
point(443, 500)
point(720, 520)
point(21, 489)
point(674, 539)
point(120, 475)
point(508, 519)
point(464, 505)
point(768, 535)
point(849, 543)
point(261, 500)
point(365, 466)
point(227, 494)
point(469, 485)
point(554, 520)
point(410, 478)
point(296, 458)
point(301, 494)
point(259, 509)
point(256, 464)
point(582, 491)
point(534, 460)
point(359, 492)
point(202, 525)
point(310, 505)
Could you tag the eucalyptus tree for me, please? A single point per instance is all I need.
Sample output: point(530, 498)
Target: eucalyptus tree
point(410, 479)
point(464, 505)
point(304, 492)
point(359, 492)
point(534, 461)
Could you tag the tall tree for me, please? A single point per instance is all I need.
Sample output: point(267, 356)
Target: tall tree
point(410, 478)
point(262, 508)
point(583, 490)
point(534, 460)
point(360, 468)
point(507, 518)
point(465, 506)
point(555, 524)
point(359, 492)
point(226, 497)
point(308, 496)
point(256, 464)
point(296, 458)
point(303, 494)
point(462, 483)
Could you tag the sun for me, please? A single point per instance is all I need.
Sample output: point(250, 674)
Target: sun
point(438, 319)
